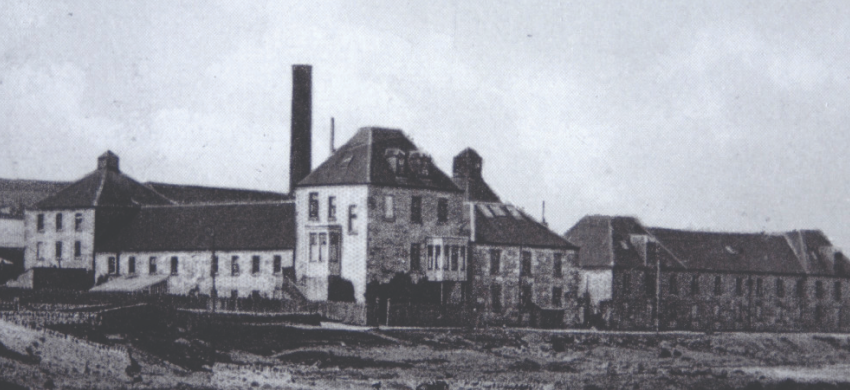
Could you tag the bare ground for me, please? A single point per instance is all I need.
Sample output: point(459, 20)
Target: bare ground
point(319, 357)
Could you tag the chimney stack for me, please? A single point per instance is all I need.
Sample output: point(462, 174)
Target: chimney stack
point(333, 149)
point(302, 118)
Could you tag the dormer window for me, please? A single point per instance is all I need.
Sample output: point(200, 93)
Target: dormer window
point(396, 160)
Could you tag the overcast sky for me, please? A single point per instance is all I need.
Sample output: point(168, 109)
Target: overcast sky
point(725, 115)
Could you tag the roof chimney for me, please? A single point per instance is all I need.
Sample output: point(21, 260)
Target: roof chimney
point(302, 118)
point(108, 161)
point(333, 149)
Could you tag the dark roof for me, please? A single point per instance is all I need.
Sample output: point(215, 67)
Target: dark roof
point(17, 195)
point(187, 194)
point(593, 235)
point(814, 251)
point(466, 174)
point(250, 226)
point(501, 224)
point(734, 252)
point(103, 187)
point(362, 160)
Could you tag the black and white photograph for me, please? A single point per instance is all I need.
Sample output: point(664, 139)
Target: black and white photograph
point(424, 195)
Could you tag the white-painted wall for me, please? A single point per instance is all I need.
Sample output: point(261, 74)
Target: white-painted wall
point(68, 235)
point(12, 233)
point(194, 270)
point(313, 276)
point(598, 283)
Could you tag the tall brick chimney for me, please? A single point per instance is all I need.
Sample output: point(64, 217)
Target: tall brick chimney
point(300, 128)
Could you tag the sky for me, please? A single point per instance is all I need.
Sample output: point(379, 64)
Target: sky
point(715, 115)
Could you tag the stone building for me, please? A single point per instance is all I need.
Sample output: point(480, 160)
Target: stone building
point(128, 236)
point(656, 278)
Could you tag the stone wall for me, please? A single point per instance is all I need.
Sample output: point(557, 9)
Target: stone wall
point(541, 282)
point(708, 301)
point(68, 235)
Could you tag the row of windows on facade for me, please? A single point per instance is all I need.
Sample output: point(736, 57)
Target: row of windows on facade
point(525, 263)
point(58, 250)
point(741, 284)
point(738, 311)
point(453, 257)
point(388, 211)
point(525, 300)
point(58, 225)
point(113, 265)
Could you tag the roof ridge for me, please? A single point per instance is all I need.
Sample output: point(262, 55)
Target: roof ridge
point(99, 187)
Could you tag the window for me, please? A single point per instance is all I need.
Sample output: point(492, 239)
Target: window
point(525, 296)
point(557, 264)
point(152, 265)
point(174, 265)
point(780, 288)
point(430, 257)
point(389, 208)
point(234, 266)
point(78, 222)
point(496, 298)
point(416, 209)
point(739, 286)
point(214, 265)
point(255, 264)
point(131, 265)
point(234, 294)
point(58, 249)
point(649, 283)
point(39, 250)
point(694, 285)
point(78, 249)
point(556, 296)
point(436, 257)
point(414, 257)
point(525, 269)
point(836, 291)
point(332, 208)
point(314, 241)
point(111, 266)
point(674, 287)
point(58, 222)
point(334, 248)
point(314, 206)
point(323, 244)
point(759, 289)
point(442, 210)
point(455, 256)
point(718, 285)
point(352, 215)
point(819, 289)
point(495, 260)
point(801, 288)
point(447, 256)
point(276, 263)
point(39, 222)
point(462, 258)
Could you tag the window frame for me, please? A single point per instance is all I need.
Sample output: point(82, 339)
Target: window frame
point(277, 264)
point(313, 206)
point(59, 223)
point(255, 264)
point(558, 265)
point(415, 256)
point(131, 265)
point(175, 265)
point(78, 249)
point(389, 208)
point(442, 210)
point(416, 209)
point(495, 261)
point(352, 216)
point(78, 222)
point(526, 260)
point(331, 208)
point(39, 222)
point(152, 265)
point(234, 265)
point(557, 292)
point(57, 250)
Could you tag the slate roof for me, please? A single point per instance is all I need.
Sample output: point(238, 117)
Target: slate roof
point(189, 194)
point(17, 195)
point(106, 186)
point(362, 161)
point(250, 226)
point(605, 242)
point(501, 224)
point(732, 252)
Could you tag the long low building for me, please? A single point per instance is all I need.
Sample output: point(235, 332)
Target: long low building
point(656, 278)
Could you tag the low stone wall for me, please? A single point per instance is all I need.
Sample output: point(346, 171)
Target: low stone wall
point(235, 376)
point(44, 318)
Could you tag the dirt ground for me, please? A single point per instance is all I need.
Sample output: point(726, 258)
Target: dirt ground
point(301, 356)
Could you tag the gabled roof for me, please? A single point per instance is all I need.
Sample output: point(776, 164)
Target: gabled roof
point(106, 186)
point(501, 224)
point(250, 226)
point(606, 242)
point(17, 195)
point(188, 194)
point(362, 160)
point(732, 252)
